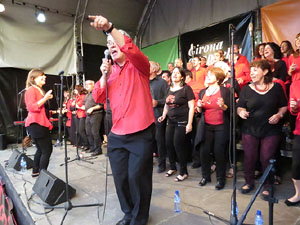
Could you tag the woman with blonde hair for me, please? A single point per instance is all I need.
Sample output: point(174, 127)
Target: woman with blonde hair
point(37, 123)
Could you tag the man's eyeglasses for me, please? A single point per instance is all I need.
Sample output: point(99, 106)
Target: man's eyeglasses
point(110, 43)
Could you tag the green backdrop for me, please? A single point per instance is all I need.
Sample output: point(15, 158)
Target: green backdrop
point(163, 52)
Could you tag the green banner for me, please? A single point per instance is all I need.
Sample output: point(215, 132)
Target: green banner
point(163, 52)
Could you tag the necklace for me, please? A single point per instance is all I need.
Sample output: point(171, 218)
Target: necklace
point(210, 93)
point(261, 90)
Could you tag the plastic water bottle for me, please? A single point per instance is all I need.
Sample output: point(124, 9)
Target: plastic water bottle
point(177, 208)
point(259, 218)
point(23, 165)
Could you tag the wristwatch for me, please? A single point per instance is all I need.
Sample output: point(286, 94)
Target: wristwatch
point(107, 32)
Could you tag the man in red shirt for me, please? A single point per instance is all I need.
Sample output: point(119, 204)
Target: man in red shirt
point(199, 72)
point(131, 137)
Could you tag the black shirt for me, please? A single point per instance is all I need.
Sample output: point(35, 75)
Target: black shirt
point(159, 89)
point(178, 103)
point(261, 107)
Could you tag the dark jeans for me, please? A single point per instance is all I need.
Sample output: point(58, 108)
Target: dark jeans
point(268, 146)
point(92, 127)
point(214, 142)
point(42, 154)
point(81, 131)
point(131, 163)
point(175, 143)
point(160, 137)
point(296, 158)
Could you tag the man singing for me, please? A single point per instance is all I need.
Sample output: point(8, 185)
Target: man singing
point(130, 140)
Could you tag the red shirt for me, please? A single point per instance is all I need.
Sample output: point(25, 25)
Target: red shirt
point(79, 101)
point(242, 71)
point(295, 94)
point(36, 114)
point(213, 114)
point(196, 87)
point(296, 72)
point(129, 92)
point(69, 113)
point(243, 60)
point(199, 76)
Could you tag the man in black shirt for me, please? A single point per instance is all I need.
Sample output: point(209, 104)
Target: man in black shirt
point(94, 118)
point(159, 90)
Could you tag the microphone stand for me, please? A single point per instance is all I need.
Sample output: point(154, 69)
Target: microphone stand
point(59, 103)
point(68, 205)
point(232, 144)
point(268, 172)
point(20, 118)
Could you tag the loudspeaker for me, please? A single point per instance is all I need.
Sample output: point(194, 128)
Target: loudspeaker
point(51, 189)
point(2, 142)
point(15, 158)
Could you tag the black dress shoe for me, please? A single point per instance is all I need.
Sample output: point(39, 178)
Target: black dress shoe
point(96, 153)
point(220, 185)
point(289, 203)
point(123, 222)
point(204, 181)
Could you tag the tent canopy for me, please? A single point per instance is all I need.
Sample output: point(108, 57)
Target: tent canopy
point(22, 38)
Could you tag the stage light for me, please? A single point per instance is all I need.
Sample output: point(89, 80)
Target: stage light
point(40, 16)
point(2, 7)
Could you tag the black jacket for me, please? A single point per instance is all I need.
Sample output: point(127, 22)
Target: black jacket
point(225, 93)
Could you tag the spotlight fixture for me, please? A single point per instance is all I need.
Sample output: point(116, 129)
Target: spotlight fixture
point(40, 16)
point(2, 7)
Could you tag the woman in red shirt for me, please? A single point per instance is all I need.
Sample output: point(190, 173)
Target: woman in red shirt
point(81, 116)
point(294, 61)
point(294, 109)
point(213, 127)
point(37, 123)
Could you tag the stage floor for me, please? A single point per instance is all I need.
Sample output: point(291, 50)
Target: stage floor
point(89, 182)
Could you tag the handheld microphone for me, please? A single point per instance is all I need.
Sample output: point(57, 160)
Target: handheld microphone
point(61, 73)
point(106, 53)
point(106, 56)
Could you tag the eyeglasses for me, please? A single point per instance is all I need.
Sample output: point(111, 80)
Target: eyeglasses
point(110, 43)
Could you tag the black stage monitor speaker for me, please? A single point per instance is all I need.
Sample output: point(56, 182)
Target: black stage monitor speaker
point(51, 189)
point(15, 158)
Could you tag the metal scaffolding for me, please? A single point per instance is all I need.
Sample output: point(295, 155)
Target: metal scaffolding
point(78, 40)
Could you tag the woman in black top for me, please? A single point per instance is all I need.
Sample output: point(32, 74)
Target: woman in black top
point(273, 55)
point(261, 105)
point(179, 108)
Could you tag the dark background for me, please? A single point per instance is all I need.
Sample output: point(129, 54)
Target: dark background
point(12, 81)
